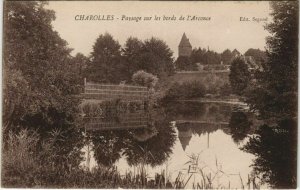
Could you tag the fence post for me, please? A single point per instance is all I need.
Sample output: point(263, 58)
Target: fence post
point(84, 81)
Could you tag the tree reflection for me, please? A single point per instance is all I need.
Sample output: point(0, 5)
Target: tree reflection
point(148, 145)
point(276, 154)
point(153, 151)
point(143, 134)
point(108, 145)
point(239, 126)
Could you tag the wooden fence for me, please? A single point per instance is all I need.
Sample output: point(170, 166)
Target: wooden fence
point(124, 121)
point(107, 92)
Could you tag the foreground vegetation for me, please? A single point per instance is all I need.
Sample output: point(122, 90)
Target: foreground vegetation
point(25, 165)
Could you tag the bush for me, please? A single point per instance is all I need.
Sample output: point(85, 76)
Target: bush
point(143, 78)
point(213, 83)
point(186, 90)
point(110, 108)
point(225, 90)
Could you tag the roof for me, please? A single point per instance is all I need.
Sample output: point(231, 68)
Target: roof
point(185, 137)
point(184, 41)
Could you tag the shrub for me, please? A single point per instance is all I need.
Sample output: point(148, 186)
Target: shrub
point(213, 83)
point(186, 90)
point(143, 78)
point(110, 108)
point(225, 90)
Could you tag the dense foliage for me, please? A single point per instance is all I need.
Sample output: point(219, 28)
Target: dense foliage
point(274, 93)
point(40, 87)
point(239, 76)
point(184, 63)
point(258, 55)
point(106, 63)
point(112, 64)
point(39, 82)
point(184, 91)
point(143, 78)
point(205, 57)
point(276, 150)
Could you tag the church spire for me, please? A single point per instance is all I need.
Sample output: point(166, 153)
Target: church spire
point(184, 47)
point(185, 42)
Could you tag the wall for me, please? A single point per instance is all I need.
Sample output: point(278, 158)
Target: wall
point(184, 51)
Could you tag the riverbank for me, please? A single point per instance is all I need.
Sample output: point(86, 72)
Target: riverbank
point(214, 100)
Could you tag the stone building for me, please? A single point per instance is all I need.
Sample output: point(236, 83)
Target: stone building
point(185, 47)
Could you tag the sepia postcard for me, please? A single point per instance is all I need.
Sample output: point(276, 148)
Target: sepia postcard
point(156, 95)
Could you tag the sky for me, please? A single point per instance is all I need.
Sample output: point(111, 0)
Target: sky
point(224, 30)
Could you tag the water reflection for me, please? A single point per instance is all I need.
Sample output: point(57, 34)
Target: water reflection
point(135, 136)
point(165, 139)
point(107, 146)
point(153, 151)
point(276, 154)
point(239, 126)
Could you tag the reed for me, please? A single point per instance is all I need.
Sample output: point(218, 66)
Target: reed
point(208, 180)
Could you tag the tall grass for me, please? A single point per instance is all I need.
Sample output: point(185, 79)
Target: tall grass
point(208, 180)
point(18, 163)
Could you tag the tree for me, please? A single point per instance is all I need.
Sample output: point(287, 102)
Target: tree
point(16, 98)
point(184, 63)
point(79, 63)
point(226, 57)
point(239, 76)
point(197, 55)
point(275, 92)
point(257, 54)
point(132, 55)
point(36, 69)
point(106, 64)
point(156, 58)
point(212, 58)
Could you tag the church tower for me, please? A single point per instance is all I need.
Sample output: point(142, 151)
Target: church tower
point(185, 47)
